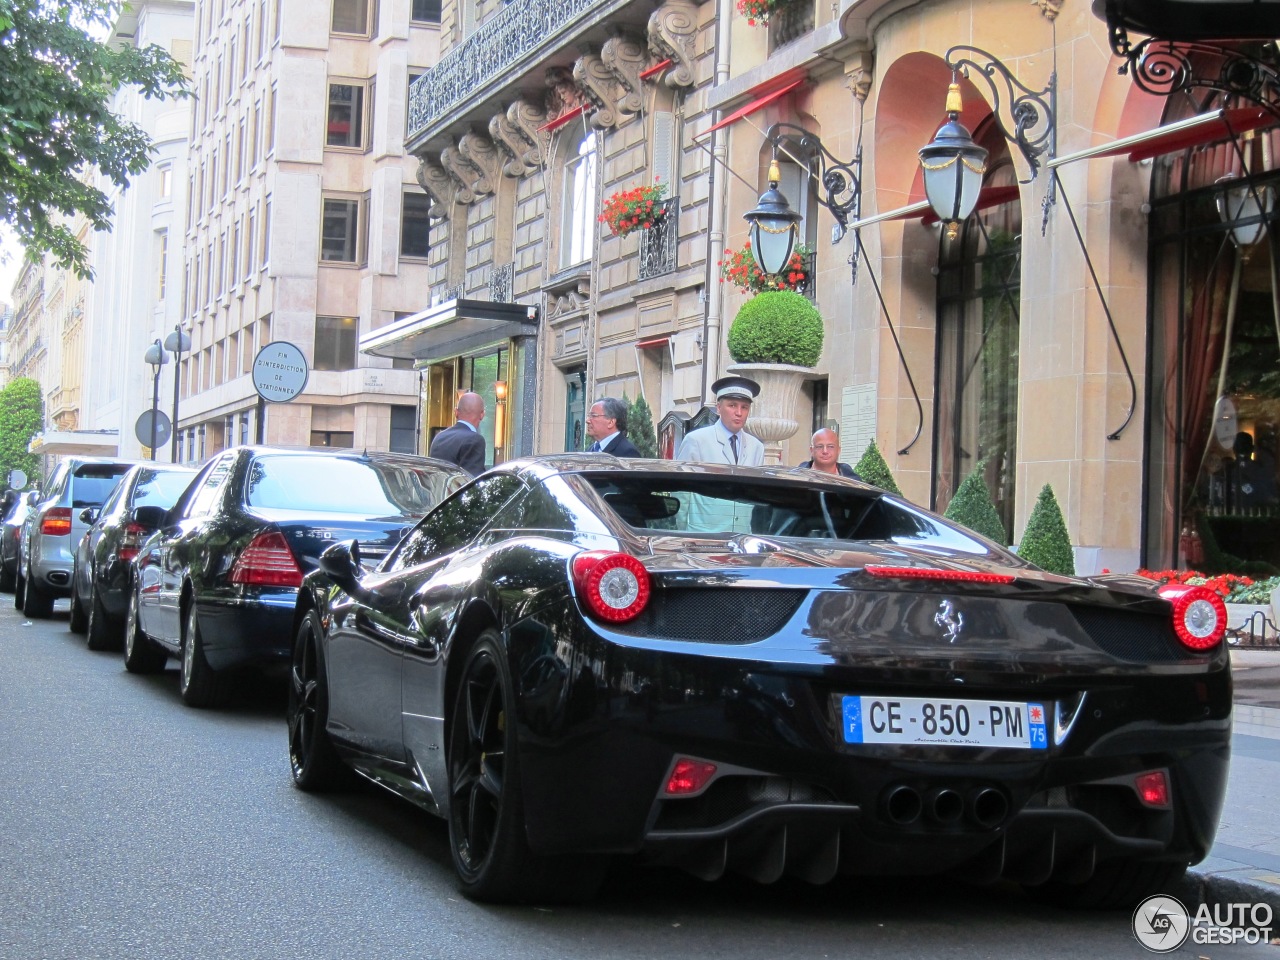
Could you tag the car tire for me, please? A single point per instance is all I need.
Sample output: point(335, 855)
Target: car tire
point(487, 838)
point(8, 579)
point(37, 603)
point(141, 655)
point(99, 631)
point(79, 621)
point(1115, 885)
point(19, 590)
point(198, 683)
point(312, 757)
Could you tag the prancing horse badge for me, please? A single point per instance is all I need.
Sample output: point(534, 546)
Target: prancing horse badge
point(950, 620)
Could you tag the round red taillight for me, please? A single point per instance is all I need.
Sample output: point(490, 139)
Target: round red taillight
point(614, 586)
point(1199, 615)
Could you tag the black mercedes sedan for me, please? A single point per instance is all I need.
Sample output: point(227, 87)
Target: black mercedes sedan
point(217, 583)
point(100, 574)
point(759, 670)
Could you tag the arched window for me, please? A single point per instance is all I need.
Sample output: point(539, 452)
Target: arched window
point(979, 283)
point(579, 204)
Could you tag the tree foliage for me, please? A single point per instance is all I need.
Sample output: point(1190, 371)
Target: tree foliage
point(1046, 542)
point(873, 469)
point(57, 129)
point(21, 417)
point(640, 430)
point(973, 507)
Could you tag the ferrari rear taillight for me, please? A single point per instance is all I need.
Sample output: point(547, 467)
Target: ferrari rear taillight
point(614, 586)
point(689, 777)
point(134, 534)
point(267, 562)
point(56, 522)
point(933, 573)
point(1199, 615)
point(1153, 788)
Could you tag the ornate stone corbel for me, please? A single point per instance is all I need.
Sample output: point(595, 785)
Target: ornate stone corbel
point(597, 85)
point(626, 57)
point(511, 143)
point(858, 74)
point(528, 118)
point(464, 172)
point(673, 28)
point(440, 187)
point(480, 152)
point(1049, 9)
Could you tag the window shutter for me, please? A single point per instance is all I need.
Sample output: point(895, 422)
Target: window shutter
point(663, 146)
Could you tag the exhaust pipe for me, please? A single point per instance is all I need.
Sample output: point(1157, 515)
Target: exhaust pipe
point(902, 805)
point(988, 808)
point(946, 806)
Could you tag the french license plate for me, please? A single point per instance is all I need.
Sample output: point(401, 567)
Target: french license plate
point(961, 723)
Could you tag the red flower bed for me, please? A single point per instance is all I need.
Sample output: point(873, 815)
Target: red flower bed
point(1222, 584)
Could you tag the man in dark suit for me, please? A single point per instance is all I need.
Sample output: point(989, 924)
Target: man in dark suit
point(462, 443)
point(607, 426)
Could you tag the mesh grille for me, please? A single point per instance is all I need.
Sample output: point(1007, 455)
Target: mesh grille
point(1131, 636)
point(715, 615)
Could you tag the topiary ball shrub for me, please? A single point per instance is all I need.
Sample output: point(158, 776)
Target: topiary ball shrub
point(972, 507)
point(1046, 542)
point(874, 470)
point(777, 326)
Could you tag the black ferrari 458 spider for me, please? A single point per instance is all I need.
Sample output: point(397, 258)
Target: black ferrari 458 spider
point(766, 671)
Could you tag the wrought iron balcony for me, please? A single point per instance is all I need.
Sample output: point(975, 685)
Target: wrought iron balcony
point(658, 243)
point(516, 37)
point(790, 22)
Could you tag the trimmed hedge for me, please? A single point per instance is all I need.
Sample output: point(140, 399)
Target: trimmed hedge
point(777, 326)
point(1046, 542)
point(873, 469)
point(972, 507)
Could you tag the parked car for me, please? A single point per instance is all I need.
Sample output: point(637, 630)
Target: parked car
point(216, 584)
point(54, 526)
point(763, 670)
point(11, 538)
point(100, 575)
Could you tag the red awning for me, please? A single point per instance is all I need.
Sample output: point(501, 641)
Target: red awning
point(753, 106)
point(656, 69)
point(1205, 128)
point(988, 197)
point(564, 118)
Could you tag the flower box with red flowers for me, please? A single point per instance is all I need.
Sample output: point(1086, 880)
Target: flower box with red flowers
point(739, 267)
point(639, 208)
point(759, 11)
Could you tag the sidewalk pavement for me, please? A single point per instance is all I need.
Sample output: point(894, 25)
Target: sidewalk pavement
point(1244, 863)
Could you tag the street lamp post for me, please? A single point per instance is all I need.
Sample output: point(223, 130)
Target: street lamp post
point(176, 343)
point(156, 358)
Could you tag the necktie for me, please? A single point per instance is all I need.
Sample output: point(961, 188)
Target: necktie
point(595, 447)
point(733, 445)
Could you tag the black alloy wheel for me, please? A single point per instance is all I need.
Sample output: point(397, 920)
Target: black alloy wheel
point(79, 621)
point(486, 818)
point(141, 655)
point(101, 633)
point(37, 603)
point(198, 683)
point(312, 758)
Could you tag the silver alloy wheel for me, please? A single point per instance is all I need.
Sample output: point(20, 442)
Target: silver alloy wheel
point(130, 625)
point(188, 653)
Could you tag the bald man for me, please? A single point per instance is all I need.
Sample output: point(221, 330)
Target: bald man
point(462, 443)
point(824, 449)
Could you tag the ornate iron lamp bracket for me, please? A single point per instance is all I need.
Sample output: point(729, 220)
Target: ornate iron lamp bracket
point(841, 187)
point(1165, 67)
point(1030, 112)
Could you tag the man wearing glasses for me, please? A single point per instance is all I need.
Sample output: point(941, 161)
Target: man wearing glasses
point(607, 426)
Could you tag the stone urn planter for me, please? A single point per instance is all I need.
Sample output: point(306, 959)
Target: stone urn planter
point(773, 414)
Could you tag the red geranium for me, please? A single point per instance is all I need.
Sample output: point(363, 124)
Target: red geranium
point(739, 267)
point(759, 11)
point(636, 209)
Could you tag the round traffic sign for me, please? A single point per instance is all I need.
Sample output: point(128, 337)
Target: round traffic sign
point(142, 429)
point(279, 372)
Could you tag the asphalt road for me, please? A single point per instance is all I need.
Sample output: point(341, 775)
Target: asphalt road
point(134, 827)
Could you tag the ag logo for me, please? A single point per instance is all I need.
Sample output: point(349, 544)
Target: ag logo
point(1161, 924)
point(950, 620)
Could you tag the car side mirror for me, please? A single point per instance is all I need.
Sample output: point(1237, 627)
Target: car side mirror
point(153, 518)
point(341, 564)
point(89, 515)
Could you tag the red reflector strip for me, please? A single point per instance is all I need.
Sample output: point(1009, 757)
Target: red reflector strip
point(931, 573)
point(1153, 788)
point(689, 776)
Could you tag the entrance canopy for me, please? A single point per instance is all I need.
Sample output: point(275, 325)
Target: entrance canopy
point(84, 443)
point(451, 329)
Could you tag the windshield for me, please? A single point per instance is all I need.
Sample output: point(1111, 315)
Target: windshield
point(158, 488)
point(323, 484)
point(719, 506)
